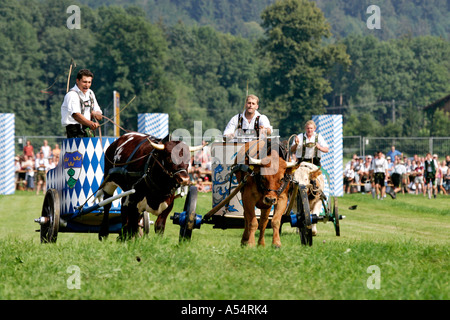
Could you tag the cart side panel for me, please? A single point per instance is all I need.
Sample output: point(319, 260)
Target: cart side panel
point(223, 156)
point(79, 173)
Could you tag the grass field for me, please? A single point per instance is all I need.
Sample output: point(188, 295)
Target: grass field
point(401, 245)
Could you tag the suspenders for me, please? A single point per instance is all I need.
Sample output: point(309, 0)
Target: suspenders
point(304, 147)
point(85, 104)
point(240, 119)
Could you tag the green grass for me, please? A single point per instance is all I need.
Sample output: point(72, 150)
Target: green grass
point(407, 239)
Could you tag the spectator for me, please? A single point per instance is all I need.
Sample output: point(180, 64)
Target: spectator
point(381, 174)
point(28, 150)
point(430, 167)
point(418, 177)
point(41, 168)
point(393, 153)
point(51, 164)
point(447, 160)
point(56, 152)
point(46, 150)
point(440, 173)
point(203, 158)
point(397, 175)
point(357, 168)
point(349, 177)
point(445, 176)
point(390, 163)
point(199, 185)
point(364, 173)
point(28, 165)
point(17, 168)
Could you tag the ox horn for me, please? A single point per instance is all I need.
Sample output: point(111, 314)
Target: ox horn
point(158, 146)
point(196, 148)
point(291, 164)
point(254, 161)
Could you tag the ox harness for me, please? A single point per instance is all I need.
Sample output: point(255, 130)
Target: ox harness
point(248, 169)
point(148, 168)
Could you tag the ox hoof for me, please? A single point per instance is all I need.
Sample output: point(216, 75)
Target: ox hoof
point(314, 230)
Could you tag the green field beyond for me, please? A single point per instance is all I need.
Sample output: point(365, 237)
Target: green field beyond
point(391, 249)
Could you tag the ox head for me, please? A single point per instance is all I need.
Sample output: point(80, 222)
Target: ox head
point(271, 176)
point(174, 157)
point(308, 173)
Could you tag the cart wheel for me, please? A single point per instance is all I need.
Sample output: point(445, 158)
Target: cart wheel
point(189, 207)
point(50, 211)
point(144, 224)
point(305, 217)
point(336, 217)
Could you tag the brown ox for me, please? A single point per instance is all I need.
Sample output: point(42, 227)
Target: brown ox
point(311, 176)
point(155, 170)
point(267, 186)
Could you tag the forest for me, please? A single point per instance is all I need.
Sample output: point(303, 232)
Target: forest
point(195, 60)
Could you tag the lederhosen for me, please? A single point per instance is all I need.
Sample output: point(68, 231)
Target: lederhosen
point(315, 159)
point(78, 130)
point(240, 119)
point(430, 176)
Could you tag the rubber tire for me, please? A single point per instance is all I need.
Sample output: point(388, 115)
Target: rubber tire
point(336, 217)
point(189, 207)
point(51, 210)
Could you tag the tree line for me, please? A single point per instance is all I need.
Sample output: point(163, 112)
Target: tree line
point(196, 73)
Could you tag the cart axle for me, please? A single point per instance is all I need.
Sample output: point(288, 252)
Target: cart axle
point(180, 219)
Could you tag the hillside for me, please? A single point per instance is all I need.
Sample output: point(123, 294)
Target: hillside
point(346, 17)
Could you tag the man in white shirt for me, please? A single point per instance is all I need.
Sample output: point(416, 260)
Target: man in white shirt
point(79, 107)
point(380, 167)
point(310, 145)
point(250, 119)
point(42, 168)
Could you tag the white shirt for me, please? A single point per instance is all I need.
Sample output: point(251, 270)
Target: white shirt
point(380, 165)
point(400, 169)
point(40, 162)
point(309, 152)
point(234, 123)
point(71, 105)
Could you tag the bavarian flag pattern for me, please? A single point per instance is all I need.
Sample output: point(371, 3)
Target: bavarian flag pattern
point(79, 173)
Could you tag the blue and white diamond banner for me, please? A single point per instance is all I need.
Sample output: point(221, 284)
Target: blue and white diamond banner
point(330, 127)
point(7, 169)
point(155, 124)
point(79, 172)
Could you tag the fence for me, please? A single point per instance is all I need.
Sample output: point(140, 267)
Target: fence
point(360, 145)
point(409, 146)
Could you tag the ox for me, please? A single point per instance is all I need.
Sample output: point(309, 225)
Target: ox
point(154, 169)
point(310, 175)
point(267, 185)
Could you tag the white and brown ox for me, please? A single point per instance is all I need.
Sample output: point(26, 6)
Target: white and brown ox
point(154, 169)
point(311, 176)
point(267, 187)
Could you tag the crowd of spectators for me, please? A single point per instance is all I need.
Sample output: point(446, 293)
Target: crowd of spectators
point(31, 166)
point(200, 169)
point(415, 175)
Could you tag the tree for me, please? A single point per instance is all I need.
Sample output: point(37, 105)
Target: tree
point(130, 57)
point(297, 63)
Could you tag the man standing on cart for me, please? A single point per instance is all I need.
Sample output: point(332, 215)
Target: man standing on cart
point(250, 119)
point(79, 107)
point(309, 146)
